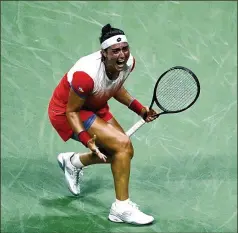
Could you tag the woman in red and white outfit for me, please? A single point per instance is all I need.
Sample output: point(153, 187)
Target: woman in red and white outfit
point(78, 110)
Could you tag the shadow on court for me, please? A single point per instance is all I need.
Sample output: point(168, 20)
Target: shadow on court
point(41, 202)
point(88, 222)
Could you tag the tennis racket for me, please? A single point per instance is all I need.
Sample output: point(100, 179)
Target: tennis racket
point(176, 90)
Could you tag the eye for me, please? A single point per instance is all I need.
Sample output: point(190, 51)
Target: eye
point(125, 49)
point(116, 51)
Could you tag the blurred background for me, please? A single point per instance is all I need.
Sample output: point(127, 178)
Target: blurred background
point(184, 171)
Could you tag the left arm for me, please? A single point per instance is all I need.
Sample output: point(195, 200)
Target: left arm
point(125, 98)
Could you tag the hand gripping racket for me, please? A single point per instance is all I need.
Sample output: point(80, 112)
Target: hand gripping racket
point(176, 90)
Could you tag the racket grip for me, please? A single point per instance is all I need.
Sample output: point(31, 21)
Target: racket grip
point(135, 127)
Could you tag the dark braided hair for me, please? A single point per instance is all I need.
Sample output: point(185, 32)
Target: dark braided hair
point(108, 31)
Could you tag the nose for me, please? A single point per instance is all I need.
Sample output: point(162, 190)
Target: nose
point(121, 54)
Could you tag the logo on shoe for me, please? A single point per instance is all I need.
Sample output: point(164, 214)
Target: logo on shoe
point(127, 214)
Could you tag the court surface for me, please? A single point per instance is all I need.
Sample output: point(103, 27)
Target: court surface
point(184, 170)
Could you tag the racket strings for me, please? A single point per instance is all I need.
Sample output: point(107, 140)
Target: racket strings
point(176, 90)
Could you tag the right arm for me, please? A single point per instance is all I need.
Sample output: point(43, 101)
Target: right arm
point(81, 87)
point(74, 105)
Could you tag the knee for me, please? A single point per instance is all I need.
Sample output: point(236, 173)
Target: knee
point(124, 145)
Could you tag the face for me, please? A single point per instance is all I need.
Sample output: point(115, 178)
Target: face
point(116, 56)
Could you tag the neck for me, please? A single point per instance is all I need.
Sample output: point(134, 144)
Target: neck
point(110, 74)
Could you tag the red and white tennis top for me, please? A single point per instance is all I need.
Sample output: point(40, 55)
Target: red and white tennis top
point(89, 80)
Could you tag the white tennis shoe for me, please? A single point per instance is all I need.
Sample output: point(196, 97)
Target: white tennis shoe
point(128, 213)
point(72, 174)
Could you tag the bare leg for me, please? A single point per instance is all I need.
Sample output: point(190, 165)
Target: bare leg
point(112, 139)
point(121, 176)
point(88, 158)
point(121, 173)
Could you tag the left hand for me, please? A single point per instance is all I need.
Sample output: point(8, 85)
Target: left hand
point(149, 113)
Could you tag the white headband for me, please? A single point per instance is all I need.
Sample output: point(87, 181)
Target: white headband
point(113, 40)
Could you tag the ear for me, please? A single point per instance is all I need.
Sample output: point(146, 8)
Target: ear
point(103, 52)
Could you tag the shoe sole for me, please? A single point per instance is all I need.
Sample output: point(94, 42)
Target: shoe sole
point(62, 166)
point(114, 218)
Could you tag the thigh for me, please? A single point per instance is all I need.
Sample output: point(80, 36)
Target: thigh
point(108, 135)
point(89, 117)
point(115, 124)
point(107, 116)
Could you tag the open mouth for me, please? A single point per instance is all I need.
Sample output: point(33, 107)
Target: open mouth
point(120, 63)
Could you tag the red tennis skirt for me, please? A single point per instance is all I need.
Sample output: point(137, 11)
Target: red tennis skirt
point(60, 123)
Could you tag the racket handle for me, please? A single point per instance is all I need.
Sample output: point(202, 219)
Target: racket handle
point(135, 127)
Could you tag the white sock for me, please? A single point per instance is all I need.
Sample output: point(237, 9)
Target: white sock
point(75, 160)
point(118, 202)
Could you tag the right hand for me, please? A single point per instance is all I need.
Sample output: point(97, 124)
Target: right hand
point(92, 146)
point(149, 114)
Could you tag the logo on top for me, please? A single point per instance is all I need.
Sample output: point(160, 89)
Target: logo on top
point(81, 89)
point(119, 39)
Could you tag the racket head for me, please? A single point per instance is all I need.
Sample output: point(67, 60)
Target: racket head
point(191, 79)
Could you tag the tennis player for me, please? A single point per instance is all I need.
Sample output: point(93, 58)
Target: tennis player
point(78, 110)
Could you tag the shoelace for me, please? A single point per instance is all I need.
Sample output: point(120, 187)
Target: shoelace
point(135, 208)
point(133, 205)
point(78, 173)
